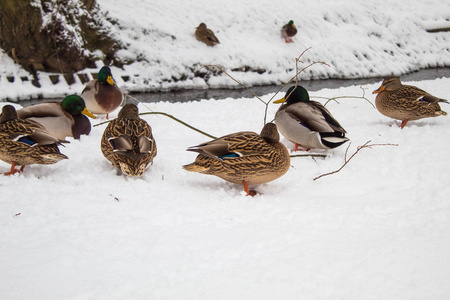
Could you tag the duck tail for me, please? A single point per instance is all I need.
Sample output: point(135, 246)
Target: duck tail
point(52, 158)
point(193, 167)
point(332, 139)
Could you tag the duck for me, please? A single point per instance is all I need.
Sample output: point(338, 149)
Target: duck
point(205, 35)
point(288, 31)
point(307, 123)
point(128, 143)
point(61, 119)
point(25, 142)
point(244, 157)
point(406, 102)
point(102, 95)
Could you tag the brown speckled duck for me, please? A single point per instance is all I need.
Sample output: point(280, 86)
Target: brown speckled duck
point(244, 157)
point(128, 142)
point(308, 123)
point(288, 31)
point(61, 119)
point(25, 142)
point(102, 95)
point(205, 35)
point(406, 102)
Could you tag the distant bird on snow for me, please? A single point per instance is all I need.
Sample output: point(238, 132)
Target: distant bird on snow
point(288, 31)
point(205, 35)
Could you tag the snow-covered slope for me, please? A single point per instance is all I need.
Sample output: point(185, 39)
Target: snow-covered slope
point(355, 38)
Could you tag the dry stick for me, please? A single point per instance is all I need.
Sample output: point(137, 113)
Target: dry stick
point(164, 114)
point(349, 97)
point(342, 97)
point(179, 121)
point(309, 155)
point(346, 161)
point(170, 116)
point(257, 97)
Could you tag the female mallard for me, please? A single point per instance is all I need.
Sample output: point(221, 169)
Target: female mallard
point(244, 157)
point(102, 95)
point(128, 142)
point(406, 102)
point(61, 119)
point(205, 35)
point(25, 142)
point(288, 31)
point(308, 123)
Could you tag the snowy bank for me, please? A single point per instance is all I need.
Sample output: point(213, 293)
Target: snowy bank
point(355, 39)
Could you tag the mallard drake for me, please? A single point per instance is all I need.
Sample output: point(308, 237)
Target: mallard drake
point(288, 31)
point(102, 95)
point(25, 142)
point(308, 123)
point(61, 119)
point(128, 142)
point(205, 35)
point(244, 157)
point(406, 102)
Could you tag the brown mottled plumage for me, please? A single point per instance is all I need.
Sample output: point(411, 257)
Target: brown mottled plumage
point(406, 102)
point(205, 35)
point(128, 142)
point(288, 31)
point(25, 142)
point(244, 157)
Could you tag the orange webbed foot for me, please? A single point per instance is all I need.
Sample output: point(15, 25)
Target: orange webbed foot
point(13, 169)
point(249, 192)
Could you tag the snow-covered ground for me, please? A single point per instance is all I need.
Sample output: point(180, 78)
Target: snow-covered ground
point(355, 38)
point(379, 229)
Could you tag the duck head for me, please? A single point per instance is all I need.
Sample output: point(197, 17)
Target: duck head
point(105, 76)
point(294, 94)
point(75, 105)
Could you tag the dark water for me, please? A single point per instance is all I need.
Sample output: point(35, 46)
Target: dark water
point(311, 85)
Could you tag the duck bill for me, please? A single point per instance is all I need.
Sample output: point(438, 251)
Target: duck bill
point(379, 90)
point(110, 80)
point(86, 112)
point(282, 100)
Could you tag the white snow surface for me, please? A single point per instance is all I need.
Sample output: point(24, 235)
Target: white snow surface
point(378, 229)
point(355, 38)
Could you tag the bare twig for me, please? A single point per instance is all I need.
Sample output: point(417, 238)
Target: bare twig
point(346, 161)
point(179, 121)
point(347, 97)
point(238, 82)
point(295, 77)
point(309, 155)
point(170, 116)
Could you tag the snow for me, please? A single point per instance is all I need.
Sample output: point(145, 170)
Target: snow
point(378, 229)
point(355, 38)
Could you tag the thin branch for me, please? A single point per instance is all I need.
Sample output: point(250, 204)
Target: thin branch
point(308, 155)
point(240, 83)
point(297, 61)
point(342, 97)
point(346, 161)
point(167, 115)
point(179, 121)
